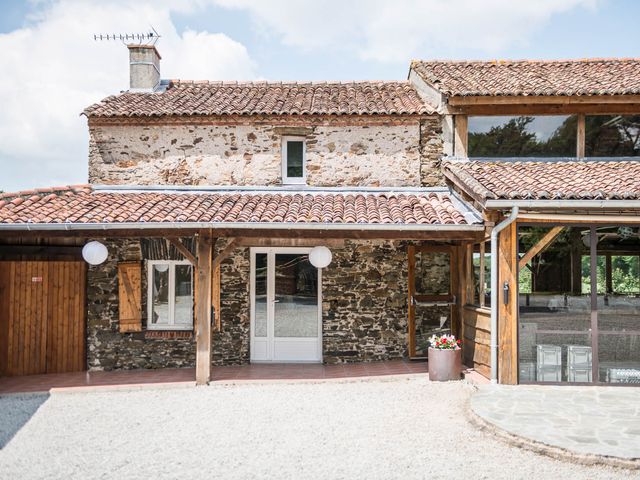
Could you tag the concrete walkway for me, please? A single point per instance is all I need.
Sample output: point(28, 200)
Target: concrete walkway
point(588, 421)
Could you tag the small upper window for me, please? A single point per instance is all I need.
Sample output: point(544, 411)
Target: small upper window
point(293, 160)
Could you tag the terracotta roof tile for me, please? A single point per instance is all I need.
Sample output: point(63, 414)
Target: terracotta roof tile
point(613, 76)
point(548, 180)
point(87, 205)
point(265, 98)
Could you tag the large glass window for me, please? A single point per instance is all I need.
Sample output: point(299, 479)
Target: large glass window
point(523, 136)
point(579, 304)
point(618, 304)
point(612, 136)
point(170, 295)
point(296, 296)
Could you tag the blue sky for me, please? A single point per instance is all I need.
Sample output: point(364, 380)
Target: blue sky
point(54, 68)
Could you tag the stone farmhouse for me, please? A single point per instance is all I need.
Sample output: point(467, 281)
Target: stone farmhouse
point(499, 201)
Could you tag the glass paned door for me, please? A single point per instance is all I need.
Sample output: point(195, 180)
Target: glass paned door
point(555, 324)
point(285, 324)
point(618, 302)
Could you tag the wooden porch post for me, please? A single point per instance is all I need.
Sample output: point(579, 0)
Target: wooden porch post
point(508, 308)
point(203, 309)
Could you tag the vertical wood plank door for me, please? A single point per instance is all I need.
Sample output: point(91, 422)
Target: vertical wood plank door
point(42, 317)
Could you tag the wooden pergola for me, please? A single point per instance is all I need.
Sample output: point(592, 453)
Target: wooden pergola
point(206, 261)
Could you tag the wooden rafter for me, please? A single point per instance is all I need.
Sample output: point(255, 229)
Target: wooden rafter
point(540, 246)
point(224, 254)
point(176, 242)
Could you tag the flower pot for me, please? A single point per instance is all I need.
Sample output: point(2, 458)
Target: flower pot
point(444, 365)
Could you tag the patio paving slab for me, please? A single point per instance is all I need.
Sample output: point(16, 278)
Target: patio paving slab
point(592, 421)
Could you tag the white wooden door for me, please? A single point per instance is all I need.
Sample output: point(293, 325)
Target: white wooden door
point(286, 316)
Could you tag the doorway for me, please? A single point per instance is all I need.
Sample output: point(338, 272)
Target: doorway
point(286, 314)
point(42, 317)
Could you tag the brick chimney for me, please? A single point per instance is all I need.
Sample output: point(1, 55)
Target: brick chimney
point(144, 68)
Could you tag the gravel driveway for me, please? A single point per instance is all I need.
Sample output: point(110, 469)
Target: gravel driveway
point(380, 428)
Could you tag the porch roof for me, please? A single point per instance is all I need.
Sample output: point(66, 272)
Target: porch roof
point(587, 183)
point(532, 78)
point(85, 207)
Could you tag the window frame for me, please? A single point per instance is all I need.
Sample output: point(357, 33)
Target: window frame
point(482, 277)
point(171, 295)
point(286, 180)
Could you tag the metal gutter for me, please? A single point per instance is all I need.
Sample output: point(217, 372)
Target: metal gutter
point(573, 204)
point(494, 289)
point(573, 217)
point(262, 189)
point(409, 227)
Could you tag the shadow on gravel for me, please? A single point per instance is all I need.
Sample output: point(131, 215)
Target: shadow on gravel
point(15, 412)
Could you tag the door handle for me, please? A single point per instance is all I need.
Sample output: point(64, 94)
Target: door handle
point(276, 301)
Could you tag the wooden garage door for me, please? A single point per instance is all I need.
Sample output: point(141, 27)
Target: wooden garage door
point(42, 311)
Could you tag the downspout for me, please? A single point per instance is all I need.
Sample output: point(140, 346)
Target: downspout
point(494, 290)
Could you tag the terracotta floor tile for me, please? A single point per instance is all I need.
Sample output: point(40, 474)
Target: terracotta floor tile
point(35, 383)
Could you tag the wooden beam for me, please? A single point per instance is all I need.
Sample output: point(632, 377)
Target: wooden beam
point(508, 307)
point(550, 109)
point(576, 248)
point(461, 136)
point(255, 233)
point(581, 136)
point(608, 271)
point(543, 243)
point(176, 242)
point(203, 309)
point(231, 246)
point(543, 100)
point(289, 242)
point(411, 284)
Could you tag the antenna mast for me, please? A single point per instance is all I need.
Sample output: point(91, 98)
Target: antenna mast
point(148, 38)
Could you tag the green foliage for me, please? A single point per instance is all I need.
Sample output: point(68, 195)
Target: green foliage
point(612, 136)
point(625, 274)
point(512, 139)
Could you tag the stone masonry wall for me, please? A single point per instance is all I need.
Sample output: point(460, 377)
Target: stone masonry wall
point(108, 349)
point(364, 310)
point(383, 154)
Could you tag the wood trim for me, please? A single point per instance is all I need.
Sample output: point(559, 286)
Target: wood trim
point(203, 309)
point(176, 242)
point(581, 136)
point(539, 247)
point(411, 284)
point(438, 235)
point(231, 246)
point(543, 99)
point(461, 136)
point(290, 242)
point(508, 312)
point(587, 109)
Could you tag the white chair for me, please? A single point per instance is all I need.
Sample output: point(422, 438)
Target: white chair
point(549, 363)
point(579, 359)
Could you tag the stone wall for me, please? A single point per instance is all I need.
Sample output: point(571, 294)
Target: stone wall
point(364, 309)
point(394, 153)
point(107, 348)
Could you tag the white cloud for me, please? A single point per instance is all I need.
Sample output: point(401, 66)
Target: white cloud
point(397, 30)
point(52, 69)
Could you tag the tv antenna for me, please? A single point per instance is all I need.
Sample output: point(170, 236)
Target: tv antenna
point(147, 38)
